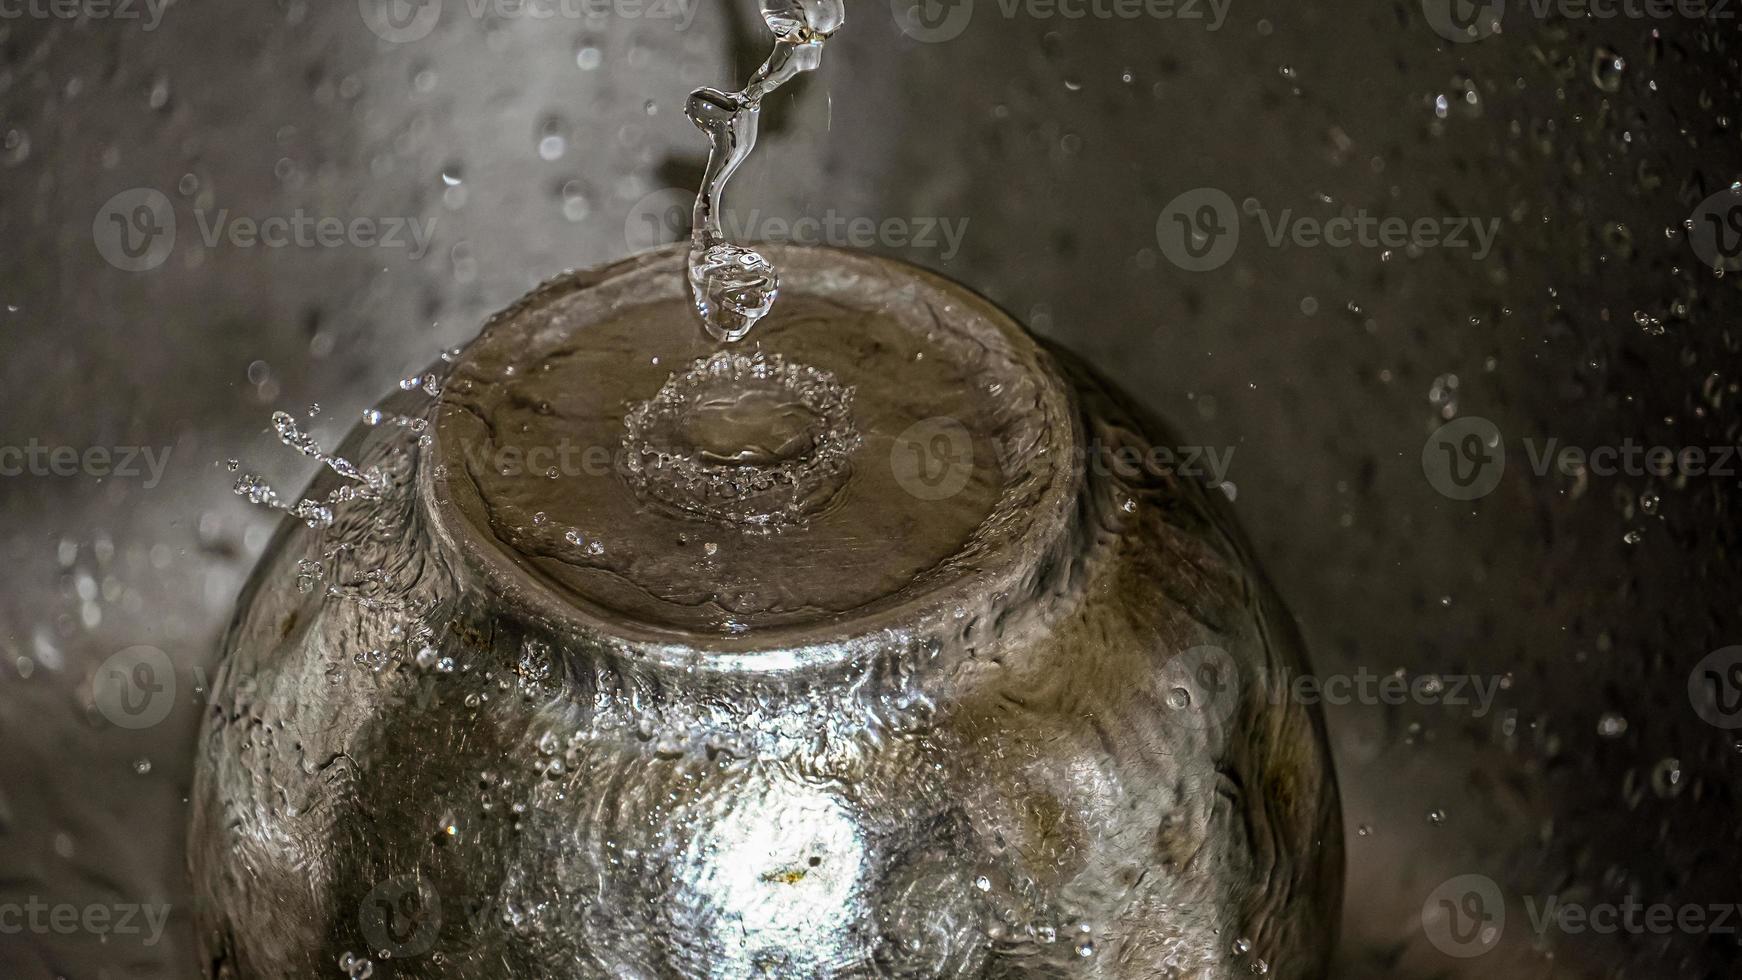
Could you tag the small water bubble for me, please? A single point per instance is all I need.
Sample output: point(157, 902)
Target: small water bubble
point(1650, 324)
point(552, 139)
point(15, 147)
point(1648, 502)
point(142, 766)
point(1666, 778)
point(356, 967)
point(1607, 67)
point(159, 93)
point(575, 205)
point(1612, 725)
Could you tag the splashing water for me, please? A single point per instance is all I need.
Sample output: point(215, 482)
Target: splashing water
point(743, 440)
point(734, 286)
point(365, 483)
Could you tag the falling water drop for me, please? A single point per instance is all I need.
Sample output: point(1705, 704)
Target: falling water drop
point(734, 286)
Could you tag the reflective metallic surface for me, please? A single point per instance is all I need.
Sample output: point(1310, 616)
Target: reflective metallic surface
point(1062, 752)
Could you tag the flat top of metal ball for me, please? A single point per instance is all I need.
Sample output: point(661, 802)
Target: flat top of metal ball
point(882, 439)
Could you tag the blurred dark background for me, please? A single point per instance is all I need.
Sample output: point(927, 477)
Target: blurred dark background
point(1591, 144)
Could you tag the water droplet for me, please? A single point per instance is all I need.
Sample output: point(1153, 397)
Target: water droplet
point(1666, 778)
point(1607, 67)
